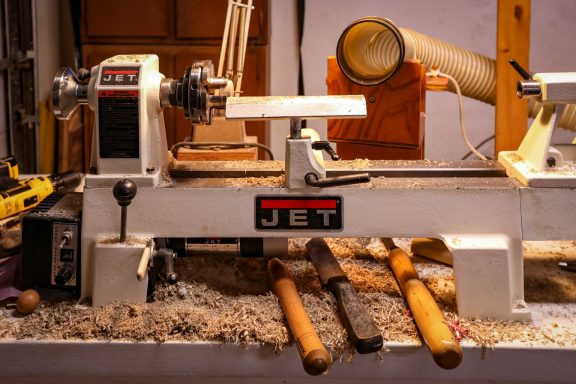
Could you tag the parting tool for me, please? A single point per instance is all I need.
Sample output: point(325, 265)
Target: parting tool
point(364, 334)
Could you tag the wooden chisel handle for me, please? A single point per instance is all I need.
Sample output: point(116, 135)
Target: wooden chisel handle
point(446, 351)
point(315, 357)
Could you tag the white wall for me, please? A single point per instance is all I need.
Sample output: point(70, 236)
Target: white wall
point(283, 64)
point(470, 24)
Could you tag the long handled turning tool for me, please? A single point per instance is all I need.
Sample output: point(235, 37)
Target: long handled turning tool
point(315, 357)
point(363, 333)
point(446, 351)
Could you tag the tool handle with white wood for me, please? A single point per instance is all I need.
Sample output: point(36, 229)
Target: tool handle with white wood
point(315, 357)
point(445, 350)
point(144, 261)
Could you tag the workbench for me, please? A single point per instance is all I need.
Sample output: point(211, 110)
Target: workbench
point(544, 351)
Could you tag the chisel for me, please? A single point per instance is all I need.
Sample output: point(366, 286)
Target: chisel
point(445, 350)
point(361, 328)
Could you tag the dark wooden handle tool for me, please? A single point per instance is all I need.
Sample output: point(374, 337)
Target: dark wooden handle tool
point(445, 350)
point(361, 328)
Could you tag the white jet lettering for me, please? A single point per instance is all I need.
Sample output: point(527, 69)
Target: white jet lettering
point(326, 214)
point(298, 217)
point(273, 222)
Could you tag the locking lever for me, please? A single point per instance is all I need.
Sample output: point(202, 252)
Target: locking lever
point(312, 180)
point(325, 146)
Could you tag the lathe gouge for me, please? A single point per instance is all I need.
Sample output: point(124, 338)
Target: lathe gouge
point(315, 358)
point(361, 328)
point(445, 350)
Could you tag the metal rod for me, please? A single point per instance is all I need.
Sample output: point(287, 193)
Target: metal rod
point(313, 180)
point(521, 71)
point(123, 211)
point(295, 129)
point(216, 171)
point(225, 38)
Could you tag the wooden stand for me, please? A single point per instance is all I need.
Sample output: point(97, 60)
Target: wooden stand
point(513, 42)
point(394, 128)
point(220, 131)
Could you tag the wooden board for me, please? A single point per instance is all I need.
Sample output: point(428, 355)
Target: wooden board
point(352, 151)
point(513, 41)
point(220, 155)
point(394, 127)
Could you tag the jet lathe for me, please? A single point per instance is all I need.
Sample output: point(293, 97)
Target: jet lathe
point(481, 215)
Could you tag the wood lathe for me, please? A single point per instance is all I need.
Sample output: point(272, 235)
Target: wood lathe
point(481, 214)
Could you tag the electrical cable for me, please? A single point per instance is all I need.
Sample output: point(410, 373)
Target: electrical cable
point(479, 145)
point(220, 145)
point(437, 73)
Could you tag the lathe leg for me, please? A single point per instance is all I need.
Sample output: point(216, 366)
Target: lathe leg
point(489, 277)
point(115, 267)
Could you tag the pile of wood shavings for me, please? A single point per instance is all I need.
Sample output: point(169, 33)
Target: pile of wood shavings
point(271, 181)
point(210, 304)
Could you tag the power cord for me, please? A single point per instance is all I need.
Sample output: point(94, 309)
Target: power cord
point(437, 73)
point(486, 140)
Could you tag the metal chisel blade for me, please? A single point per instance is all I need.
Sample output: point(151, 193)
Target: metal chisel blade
point(355, 317)
point(324, 261)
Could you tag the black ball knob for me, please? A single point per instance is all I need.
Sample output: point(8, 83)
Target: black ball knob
point(124, 191)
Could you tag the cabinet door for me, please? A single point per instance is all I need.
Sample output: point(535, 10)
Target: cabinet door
point(199, 19)
point(126, 18)
point(164, 22)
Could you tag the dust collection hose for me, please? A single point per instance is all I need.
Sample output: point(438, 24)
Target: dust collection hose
point(371, 50)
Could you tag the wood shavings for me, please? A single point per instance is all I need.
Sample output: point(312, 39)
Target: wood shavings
point(361, 163)
point(272, 181)
point(130, 241)
point(228, 300)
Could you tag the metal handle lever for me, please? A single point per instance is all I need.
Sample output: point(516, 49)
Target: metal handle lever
point(521, 71)
point(168, 257)
point(144, 261)
point(313, 180)
point(325, 146)
point(528, 87)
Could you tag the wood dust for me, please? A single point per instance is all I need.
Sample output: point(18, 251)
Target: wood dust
point(271, 181)
point(228, 300)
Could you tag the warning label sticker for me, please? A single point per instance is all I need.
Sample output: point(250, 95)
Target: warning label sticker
point(118, 124)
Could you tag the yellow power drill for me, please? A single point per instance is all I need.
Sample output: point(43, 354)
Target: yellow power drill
point(18, 196)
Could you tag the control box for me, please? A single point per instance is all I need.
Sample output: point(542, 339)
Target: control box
point(51, 243)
